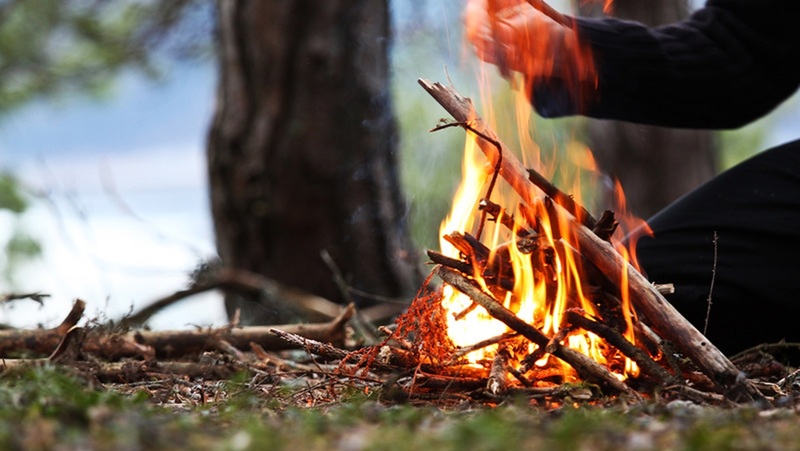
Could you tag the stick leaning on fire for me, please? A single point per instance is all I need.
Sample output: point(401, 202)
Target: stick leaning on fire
point(659, 314)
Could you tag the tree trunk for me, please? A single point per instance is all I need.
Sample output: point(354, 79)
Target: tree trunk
point(301, 151)
point(655, 165)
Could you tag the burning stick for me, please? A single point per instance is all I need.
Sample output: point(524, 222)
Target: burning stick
point(663, 317)
point(483, 343)
point(614, 338)
point(586, 367)
point(497, 382)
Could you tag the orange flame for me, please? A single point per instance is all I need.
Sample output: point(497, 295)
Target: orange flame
point(551, 279)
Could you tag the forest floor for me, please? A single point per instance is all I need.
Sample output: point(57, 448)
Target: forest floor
point(55, 407)
point(86, 396)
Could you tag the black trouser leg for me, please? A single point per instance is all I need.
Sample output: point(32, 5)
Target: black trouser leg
point(755, 210)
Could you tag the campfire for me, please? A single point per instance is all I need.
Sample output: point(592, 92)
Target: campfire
point(537, 292)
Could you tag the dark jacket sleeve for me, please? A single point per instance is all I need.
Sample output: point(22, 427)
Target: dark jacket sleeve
point(728, 64)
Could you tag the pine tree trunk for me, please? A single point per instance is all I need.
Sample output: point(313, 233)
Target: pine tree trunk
point(301, 151)
point(655, 165)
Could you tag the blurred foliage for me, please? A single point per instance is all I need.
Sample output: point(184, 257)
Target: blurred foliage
point(11, 197)
point(52, 47)
point(19, 246)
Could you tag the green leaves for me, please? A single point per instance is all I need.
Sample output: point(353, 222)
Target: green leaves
point(19, 246)
point(11, 198)
point(49, 48)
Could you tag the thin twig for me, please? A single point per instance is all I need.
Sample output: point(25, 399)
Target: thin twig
point(461, 352)
point(36, 297)
point(498, 164)
point(711, 288)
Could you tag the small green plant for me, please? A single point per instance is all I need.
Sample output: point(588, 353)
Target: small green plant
point(19, 246)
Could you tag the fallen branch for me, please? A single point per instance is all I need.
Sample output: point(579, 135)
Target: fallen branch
point(309, 306)
point(39, 341)
point(180, 343)
point(165, 344)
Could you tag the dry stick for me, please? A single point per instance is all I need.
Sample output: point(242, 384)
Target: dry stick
point(37, 296)
point(587, 368)
point(662, 316)
point(74, 315)
point(359, 324)
point(311, 346)
point(614, 338)
point(497, 165)
point(179, 343)
point(711, 287)
point(314, 308)
point(548, 11)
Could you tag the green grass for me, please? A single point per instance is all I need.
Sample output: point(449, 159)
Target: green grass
point(48, 408)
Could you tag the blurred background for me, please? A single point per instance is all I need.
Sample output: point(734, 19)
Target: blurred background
point(104, 191)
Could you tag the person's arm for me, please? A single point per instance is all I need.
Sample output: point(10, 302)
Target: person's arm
point(730, 63)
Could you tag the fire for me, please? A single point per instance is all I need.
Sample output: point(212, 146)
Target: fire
point(548, 277)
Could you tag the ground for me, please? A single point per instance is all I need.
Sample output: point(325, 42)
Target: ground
point(50, 407)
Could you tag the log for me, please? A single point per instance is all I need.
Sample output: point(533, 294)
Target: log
point(647, 301)
point(39, 341)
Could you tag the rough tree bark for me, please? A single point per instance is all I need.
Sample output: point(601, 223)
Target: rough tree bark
point(655, 165)
point(301, 151)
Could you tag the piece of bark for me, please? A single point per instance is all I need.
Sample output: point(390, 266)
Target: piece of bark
point(660, 314)
point(586, 368)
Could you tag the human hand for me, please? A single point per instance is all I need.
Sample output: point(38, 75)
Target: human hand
point(515, 36)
